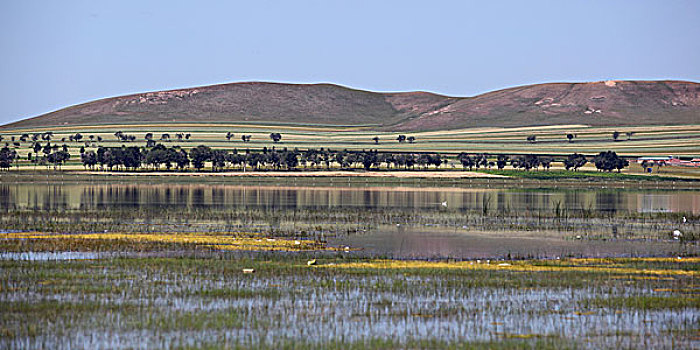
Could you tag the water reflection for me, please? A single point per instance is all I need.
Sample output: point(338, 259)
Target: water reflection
point(89, 196)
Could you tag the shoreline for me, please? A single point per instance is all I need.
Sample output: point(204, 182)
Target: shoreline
point(318, 173)
point(438, 179)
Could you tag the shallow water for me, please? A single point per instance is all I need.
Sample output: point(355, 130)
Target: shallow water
point(403, 242)
point(281, 197)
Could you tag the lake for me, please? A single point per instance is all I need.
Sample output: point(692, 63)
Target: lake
point(393, 221)
point(146, 196)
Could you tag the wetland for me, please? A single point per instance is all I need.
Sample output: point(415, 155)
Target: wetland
point(329, 263)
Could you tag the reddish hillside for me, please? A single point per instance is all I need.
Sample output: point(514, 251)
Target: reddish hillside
point(598, 104)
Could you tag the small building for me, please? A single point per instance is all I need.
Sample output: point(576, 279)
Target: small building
point(694, 163)
point(656, 160)
point(669, 161)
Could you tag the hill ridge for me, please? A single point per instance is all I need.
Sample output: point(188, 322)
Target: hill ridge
point(600, 103)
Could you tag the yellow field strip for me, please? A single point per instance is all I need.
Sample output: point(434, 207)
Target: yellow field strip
point(362, 130)
point(602, 265)
point(222, 242)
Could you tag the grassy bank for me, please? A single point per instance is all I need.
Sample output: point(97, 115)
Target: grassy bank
point(411, 179)
point(589, 175)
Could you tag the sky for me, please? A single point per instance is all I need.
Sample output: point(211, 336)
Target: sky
point(54, 54)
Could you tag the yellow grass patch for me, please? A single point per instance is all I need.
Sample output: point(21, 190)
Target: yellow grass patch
point(221, 242)
point(518, 266)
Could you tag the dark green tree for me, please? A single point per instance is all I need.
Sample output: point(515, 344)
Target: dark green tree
point(609, 161)
point(199, 155)
point(181, 160)
point(575, 161)
point(466, 160)
point(156, 156)
point(501, 161)
point(276, 137)
point(89, 159)
point(219, 158)
point(291, 159)
point(369, 159)
point(7, 157)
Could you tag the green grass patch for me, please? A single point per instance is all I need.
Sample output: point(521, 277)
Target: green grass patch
point(565, 174)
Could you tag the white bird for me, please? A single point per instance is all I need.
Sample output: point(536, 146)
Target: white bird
point(685, 220)
point(677, 234)
point(444, 204)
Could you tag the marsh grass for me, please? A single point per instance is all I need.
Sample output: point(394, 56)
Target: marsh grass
point(154, 241)
point(348, 302)
point(67, 244)
point(318, 224)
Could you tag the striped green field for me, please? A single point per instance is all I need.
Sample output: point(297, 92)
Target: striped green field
point(646, 140)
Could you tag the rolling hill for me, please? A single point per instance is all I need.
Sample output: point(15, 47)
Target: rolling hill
point(610, 103)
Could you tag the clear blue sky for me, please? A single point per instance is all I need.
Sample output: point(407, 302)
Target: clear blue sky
point(55, 54)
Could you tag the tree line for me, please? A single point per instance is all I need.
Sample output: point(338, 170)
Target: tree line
point(176, 158)
point(169, 158)
point(157, 156)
